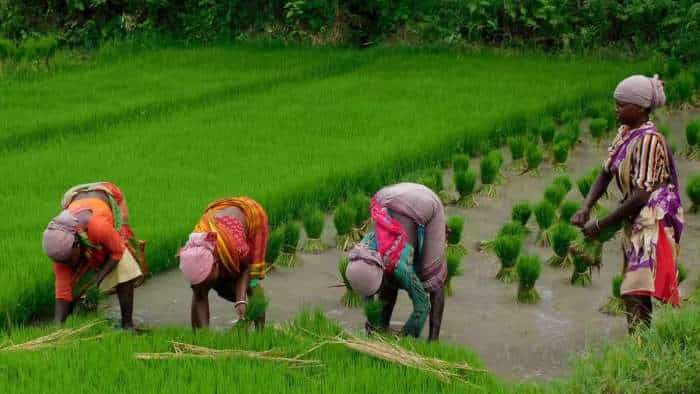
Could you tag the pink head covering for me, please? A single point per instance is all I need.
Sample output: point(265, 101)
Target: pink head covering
point(60, 236)
point(197, 257)
point(643, 91)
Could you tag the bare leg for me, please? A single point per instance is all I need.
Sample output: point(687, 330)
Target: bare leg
point(125, 293)
point(437, 307)
point(387, 295)
point(62, 310)
point(200, 307)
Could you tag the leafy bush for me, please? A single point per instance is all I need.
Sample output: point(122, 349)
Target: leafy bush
point(568, 209)
point(507, 249)
point(460, 163)
point(555, 194)
point(528, 270)
point(693, 191)
point(521, 212)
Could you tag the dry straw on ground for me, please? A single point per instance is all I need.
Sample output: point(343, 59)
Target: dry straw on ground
point(60, 337)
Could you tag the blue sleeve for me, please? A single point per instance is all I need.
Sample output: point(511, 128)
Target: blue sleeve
point(409, 281)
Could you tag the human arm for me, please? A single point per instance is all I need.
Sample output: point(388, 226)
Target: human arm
point(629, 208)
point(597, 190)
point(241, 288)
point(200, 306)
point(102, 233)
point(63, 291)
point(409, 281)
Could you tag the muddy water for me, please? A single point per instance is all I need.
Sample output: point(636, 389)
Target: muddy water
point(515, 341)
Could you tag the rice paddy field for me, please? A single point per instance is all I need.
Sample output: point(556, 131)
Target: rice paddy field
point(291, 127)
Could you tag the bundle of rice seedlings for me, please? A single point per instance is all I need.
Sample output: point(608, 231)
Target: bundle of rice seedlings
point(292, 233)
point(432, 179)
point(360, 204)
point(564, 181)
point(521, 213)
point(274, 246)
point(350, 299)
point(528, 269)
point(609, 232)
point(460, 162)
point(63, 336)
point(507, 249)
point(189, 351)
point(560, 153)
point(454, 268)
point(512, 228)
point(314, 221)
point(585, 254)
point(455, 227)
point(568, 209)
point(555, 194)
point(692, 136)
point(682, 273)
point(255, 309)
point(465, 182)
point(598, 128)
point(614, 306)
point(545, 214)
point(533, 158)
point(547, 130)
point(517, 149)
point(561, 236)
point(584, 185)
point(490, 166)
point(343, 219)
point(373, 313)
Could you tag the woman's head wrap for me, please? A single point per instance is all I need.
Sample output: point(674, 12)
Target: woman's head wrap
point(197, 257)
point(60, 235)
point(365, 271)
point(641, 90)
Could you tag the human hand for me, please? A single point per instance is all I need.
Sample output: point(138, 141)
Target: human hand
point(581, 217)
point(591, 229)
point(241, 309)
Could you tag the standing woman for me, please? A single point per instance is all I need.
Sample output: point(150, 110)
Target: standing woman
point(226, 252)
point(642, 165)
point(92, 235)
point(409, 221)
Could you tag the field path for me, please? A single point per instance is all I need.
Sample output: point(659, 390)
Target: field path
point(515, 341)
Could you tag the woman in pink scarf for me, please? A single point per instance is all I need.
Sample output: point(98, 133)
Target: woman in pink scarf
point(643, 167)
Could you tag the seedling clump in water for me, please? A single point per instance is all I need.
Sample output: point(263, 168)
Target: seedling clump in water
point(460, 163)
point(454, 268)
point(350, 298)
point(585, 255)
point(292, 233)
point(274, 246)
point(693, 191)
point(598, 128)
point(614, 306)
point(343, 220)
point(507, 249)
point(313, 225)
point(455, 227)
point(564, 181)
point(517, 148)
point(521, 212)
point(555, 194)
point(360, 204)
point(533, 158)
point(490, 165)
point(465, 181)
point(568, 209)
point(545, 214)
point(512, 228)
point(561, 235)
point(528, 268)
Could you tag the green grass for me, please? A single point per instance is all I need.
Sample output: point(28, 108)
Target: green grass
point(289, 145)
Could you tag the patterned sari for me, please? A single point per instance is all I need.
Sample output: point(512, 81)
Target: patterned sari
point(641, 159)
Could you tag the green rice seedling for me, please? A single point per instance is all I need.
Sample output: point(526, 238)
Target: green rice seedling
point(665, 130)
point(489, 174)
point(465, 182)
point(292, 233)
point(373, 313)
point(564, 181)
point(350, 299)
point(585, 254)
point(568, 209)
point(497, 157)
point(507, 248)
point(545, 214)
point(455, 228)
point(680, 90)
point(521, 213)
point(343, 219)
point(528, 269)
point(561, 236)
point(7, 51)
point(672, 68)
point(460, 162)
point(454, 268)
point(692, 136)
point(560, 153)
point(547, 130)
point(255, 309)
point(360, 204)
point(555, 194)
point(598, 128)
point(614, 306)
point(517, 148)
point(569, 115)
point(533, 158)
point(314, 221)
point(584, 185)
point(693, 192)
point(512, 228)
point(682, 273)
point(274, 246)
